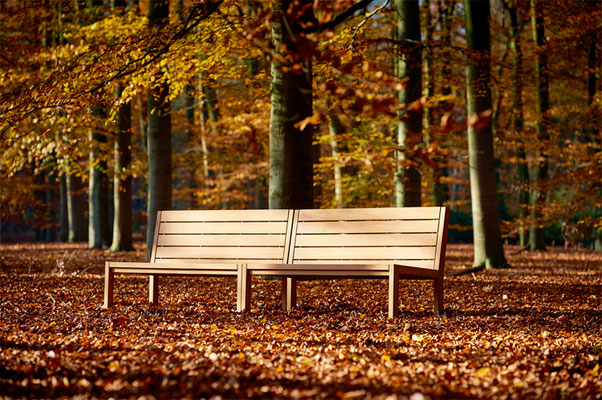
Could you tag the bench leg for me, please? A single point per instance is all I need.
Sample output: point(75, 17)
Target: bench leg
point(109, 284)
point(153, 289)
point(393, 292)
point(243, 295)
point(289, 293)
point(438, 291)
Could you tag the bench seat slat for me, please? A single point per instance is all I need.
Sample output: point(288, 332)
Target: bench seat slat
point(225, 227)
point(317, 267)
point(221, 240)
point(230, 253)
point(321, 273)
point(377, 239)
point(180, 264)
point(163, 271)
point(224, 216)
point(375, 214)
point(423, 226)
point(369, 253)
point(425, 264)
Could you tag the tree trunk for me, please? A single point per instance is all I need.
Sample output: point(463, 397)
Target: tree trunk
point(76, 209)
point(335, 127)
point(517, 125)
point(542, 105)
point(98, 197)
point(440, 188)
point(291, 166)
point(409, 129)
point(51, 221)
point(63, 210)
point(488, 249)
point(122, 180)
point(159, 136)
point(594, 136)
point(40, 206)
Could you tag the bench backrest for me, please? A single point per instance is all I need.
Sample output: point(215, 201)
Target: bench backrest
point(410, 236)
point(222, 236)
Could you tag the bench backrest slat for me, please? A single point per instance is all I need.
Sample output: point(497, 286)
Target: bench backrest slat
point(223, 236)
point(408, 236)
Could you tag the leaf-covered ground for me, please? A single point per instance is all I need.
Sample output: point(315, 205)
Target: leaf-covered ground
point(533, 331)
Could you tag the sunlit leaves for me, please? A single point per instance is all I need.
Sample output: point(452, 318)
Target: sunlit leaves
point(528, 332)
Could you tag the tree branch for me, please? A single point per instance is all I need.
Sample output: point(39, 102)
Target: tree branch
point(333, 23)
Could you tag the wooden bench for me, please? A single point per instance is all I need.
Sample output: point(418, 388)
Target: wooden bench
point(208, 242)
point(390, 243)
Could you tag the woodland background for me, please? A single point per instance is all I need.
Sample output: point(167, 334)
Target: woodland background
point(94, 93)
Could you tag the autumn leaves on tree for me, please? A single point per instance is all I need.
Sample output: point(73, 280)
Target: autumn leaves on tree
point(341, 103)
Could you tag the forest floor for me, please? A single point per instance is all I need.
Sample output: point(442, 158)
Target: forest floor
point(532, 331)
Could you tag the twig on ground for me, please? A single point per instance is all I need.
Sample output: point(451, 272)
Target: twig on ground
point(467, 271)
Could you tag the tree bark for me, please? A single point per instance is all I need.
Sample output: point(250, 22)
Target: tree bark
point(408, 191)
point(291, 165)
point(122, 180)
point(98, 196)
point(542, 105)
point(335, 127)
point(76, 209)
point(488, 249)
point(63, 210)
point(517, 123)
point(594, 134)
point(440, 188)
point(159, 136)
point(50, 231)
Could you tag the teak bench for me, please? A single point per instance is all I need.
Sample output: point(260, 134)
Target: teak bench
point(391, 243)
point(208, 242)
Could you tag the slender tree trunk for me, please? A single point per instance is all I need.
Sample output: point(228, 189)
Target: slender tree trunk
point(159, 136)
point(122, 180)
point(408, 191)
point(336, 128)
point(40, 203)
point(594, 134)
point(50, 231)
point(142, 122)
point(517, 123)
point(438, 189)
point(488, 249)
point(98, 196)
point(441, 189)
point(76, 208)
point(542, 105)
point(63, 210)
point(291, 166)
point(190, 122)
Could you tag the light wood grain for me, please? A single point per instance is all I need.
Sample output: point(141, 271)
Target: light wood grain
point(372, 214)
point(223, 227)
point(422, 226)
point(240, 240)
point(230, 253)
point(377, 239)
point(366, 253)
point(224, 215)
